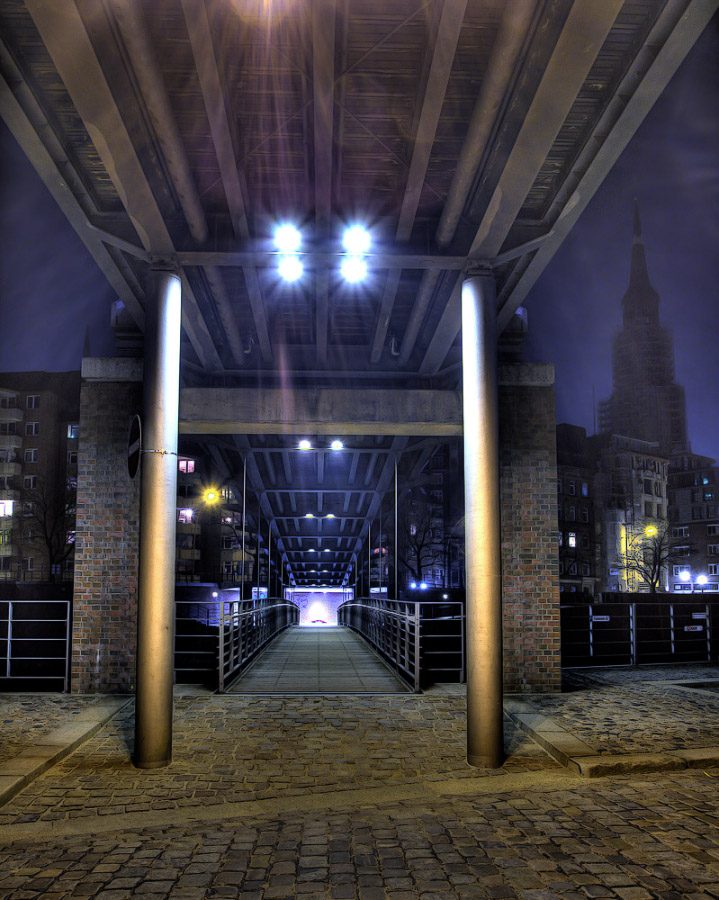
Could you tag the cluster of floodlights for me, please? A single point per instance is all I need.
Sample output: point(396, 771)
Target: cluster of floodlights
point(304, 444)
point(355, 241)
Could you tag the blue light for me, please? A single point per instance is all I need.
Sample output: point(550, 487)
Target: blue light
point(287, 238)
point(291, 268)
point(413, 585)
point(423, 586)
point(353, 269)
point(356, 240)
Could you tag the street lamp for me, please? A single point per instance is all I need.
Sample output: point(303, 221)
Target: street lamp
point(702, 580)
point(686, 576)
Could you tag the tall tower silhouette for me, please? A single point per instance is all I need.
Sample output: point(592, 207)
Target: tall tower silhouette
point(645, 403)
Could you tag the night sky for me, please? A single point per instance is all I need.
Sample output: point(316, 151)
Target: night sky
point(50, 289)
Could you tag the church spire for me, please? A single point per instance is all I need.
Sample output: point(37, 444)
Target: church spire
point(641, 301)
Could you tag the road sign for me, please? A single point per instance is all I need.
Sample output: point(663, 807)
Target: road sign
point(134, 447)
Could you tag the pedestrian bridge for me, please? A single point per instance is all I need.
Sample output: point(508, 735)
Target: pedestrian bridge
point(318, 659)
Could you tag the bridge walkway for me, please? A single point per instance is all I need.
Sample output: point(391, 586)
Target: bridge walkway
point(318, 660)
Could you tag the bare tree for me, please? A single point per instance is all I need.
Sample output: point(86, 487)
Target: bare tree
point(46, 524)
point(420, 547)
point(648, 553)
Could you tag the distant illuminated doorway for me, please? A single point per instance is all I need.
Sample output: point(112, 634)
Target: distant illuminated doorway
point(318, 606)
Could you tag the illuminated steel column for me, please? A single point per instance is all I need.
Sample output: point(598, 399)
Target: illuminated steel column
point(158, 500)
point(485, 745)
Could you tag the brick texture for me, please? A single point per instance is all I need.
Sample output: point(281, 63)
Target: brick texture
point(530, 581)
point(106, 555)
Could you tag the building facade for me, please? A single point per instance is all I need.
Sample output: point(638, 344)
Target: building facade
point(39, 429)
point(694, 523)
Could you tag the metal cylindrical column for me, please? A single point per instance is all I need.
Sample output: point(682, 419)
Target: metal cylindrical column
point(158, 501)
point(485, 746)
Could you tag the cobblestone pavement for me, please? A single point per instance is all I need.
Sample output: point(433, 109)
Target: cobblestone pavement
point(636, 710)
point(654, 838)
point(233, 748)
point(27, 718)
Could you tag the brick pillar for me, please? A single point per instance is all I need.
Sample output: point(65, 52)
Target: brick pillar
point(107, 542)
point(530, 581)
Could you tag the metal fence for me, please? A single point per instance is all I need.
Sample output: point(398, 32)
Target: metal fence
point(423, 641)
point(35, 644)
point(641, 633)
point(216, 637)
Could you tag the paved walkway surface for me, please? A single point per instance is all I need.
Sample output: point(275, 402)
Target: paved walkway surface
point(369, 798)
point(328, 660)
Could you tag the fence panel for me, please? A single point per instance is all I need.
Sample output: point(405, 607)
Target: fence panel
point(35, 644)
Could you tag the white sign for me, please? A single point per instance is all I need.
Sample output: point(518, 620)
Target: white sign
point(600, 619)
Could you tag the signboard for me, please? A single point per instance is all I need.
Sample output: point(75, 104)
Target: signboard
point(693, 628)
point(600, 619)
point(134, 447)
point(699, 615)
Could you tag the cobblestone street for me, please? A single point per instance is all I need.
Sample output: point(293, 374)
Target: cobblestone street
point(369, 798)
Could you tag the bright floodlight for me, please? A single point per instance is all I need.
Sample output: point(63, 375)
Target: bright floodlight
point(353, 269)
point(330, 516)
point(423, 586)
point(327, 550)
point(290, 268)
point(309, 515)
point(685, 575)
point(702, 579)
point(413, 584)
point(287, 238)
point(336, 445)
point(356, 240)
point(304, 445)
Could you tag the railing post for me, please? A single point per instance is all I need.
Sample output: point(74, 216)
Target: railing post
point(416, 647)
point(707, 620)
point(633, 632)
point(221, 649)
point(9, 637)
point(671, 626)
point(66, 685)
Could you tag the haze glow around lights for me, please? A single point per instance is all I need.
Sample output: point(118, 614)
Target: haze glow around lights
point(304, 445)
point(336, 445)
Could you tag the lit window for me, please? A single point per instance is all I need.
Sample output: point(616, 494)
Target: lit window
point(585, 489)
point(184, 516)
point(572, 539)
point(186, 465)
point(677, 570)
point(30, 456)
point(5, 537)
point(33, 401)
point(32, 428)
point(73, 431)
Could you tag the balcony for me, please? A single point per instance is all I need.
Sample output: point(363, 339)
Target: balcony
point(188, 554)
point(188, 528)
point(9, 441)
point(6, 549)
point(11, 415)
point(9, 469)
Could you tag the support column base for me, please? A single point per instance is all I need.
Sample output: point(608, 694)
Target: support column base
point(485, 762)
point(151, 765)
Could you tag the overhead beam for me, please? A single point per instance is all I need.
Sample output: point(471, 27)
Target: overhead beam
point(401, 258)
point(581, 39)
point(320, 411)
point(445, 47)
point(63, 32)
point(198, 29)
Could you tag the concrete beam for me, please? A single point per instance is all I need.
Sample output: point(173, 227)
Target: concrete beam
point(320, 411)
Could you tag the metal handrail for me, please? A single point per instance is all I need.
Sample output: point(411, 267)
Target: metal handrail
point(18, 639)
point(246, 626)
point(399, 631)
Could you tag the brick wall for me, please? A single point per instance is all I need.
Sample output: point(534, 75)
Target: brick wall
point(107, 543)
point(530, 582)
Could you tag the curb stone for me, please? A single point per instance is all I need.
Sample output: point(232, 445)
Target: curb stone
point(18, 771)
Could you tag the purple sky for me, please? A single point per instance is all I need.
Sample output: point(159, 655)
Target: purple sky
point(672, 165)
